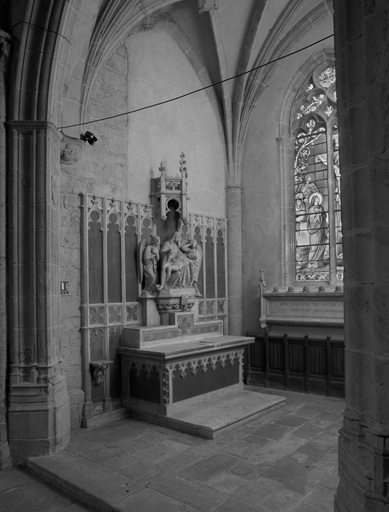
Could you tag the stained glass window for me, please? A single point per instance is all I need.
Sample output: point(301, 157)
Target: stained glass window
point(318, 226)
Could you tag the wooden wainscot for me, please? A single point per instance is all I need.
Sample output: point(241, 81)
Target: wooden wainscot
point(302, 344)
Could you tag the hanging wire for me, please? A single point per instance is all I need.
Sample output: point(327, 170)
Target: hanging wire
point(196, 90)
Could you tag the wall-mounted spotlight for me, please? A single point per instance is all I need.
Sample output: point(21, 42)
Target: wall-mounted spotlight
point(88, 137)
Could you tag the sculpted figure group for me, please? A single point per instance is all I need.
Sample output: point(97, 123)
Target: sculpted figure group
point(179, 264)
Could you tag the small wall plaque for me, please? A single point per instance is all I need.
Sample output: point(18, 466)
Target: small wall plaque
point(64, 287)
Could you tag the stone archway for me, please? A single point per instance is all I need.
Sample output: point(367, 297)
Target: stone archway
point(38, 402)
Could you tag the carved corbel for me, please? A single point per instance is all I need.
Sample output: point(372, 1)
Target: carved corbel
point(207, 5)
point(71, 150)
point(98, 369)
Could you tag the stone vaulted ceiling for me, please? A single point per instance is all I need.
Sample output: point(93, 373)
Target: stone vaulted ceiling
point(227, 37)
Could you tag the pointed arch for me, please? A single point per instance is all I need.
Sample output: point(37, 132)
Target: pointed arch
point(303, 112)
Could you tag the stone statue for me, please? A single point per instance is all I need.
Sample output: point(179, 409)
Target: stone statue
point(194, 253)
point(175, 268)
point(150, 258)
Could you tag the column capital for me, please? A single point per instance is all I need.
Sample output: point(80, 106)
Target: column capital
point(22, 126)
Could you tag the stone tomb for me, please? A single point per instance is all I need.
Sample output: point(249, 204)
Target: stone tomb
point(188, 376)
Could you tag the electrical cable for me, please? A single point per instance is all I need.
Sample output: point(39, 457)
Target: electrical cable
point(42, 28)
point(196, 90)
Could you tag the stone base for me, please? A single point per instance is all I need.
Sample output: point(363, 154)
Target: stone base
point(5, 455)
point(214, 413)
point(175, 300)
point(39, 419)
point(363, 467)
point(163, 379)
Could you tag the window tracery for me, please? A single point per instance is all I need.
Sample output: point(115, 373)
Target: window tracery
point(318, 229)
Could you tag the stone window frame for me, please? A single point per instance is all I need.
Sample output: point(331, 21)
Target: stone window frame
point(285, 148)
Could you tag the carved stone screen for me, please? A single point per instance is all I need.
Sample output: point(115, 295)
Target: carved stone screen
point(212, 234)
point(112, 232)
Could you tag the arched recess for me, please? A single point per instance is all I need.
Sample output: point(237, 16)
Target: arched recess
point(37, 384)
point(285, 33)
point(285, 144)
point(156, 21)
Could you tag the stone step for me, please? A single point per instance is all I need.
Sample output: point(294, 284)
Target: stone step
point(104, 489)
point(212, 414)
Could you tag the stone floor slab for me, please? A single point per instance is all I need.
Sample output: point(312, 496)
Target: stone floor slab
point(148, 468)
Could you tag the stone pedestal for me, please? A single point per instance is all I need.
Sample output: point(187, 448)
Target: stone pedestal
point(168, 302)
point(150, 314)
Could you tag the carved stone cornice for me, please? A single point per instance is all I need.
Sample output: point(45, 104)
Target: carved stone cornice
point(203, 364)
point(28, 125)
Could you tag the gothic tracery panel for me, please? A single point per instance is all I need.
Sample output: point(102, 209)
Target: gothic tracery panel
point(318, 228)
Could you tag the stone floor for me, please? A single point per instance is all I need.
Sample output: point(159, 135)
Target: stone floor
point(285, 461)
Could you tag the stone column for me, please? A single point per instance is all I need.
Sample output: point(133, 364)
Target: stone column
point(234, 258)
point(362, 63)
point(39, 413)
point(5, 459)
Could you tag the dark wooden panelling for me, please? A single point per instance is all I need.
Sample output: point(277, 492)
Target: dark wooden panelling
point(97, 344)
point(337, 360)
point(114, 259)
point(145, 385)
point(199, 383)
point(299, 364)
point(318, 358)
point(97, 341)
point(115, 367)
point(95, 259)
point(221, 271)
point(295, 354)
point(210, 266)
point(131, 243)
point(276, 355)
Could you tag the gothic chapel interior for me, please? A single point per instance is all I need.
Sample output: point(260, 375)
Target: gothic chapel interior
point(255, 132)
